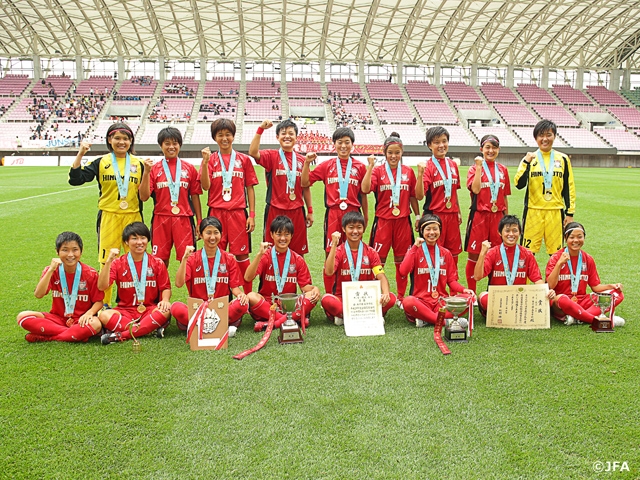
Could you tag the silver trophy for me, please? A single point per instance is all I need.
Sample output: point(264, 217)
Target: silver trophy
point(289, 330)
point(603, 322)
point(453, 330)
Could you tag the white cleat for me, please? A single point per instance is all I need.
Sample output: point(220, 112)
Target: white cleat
point(618, 321)
point(232, 331)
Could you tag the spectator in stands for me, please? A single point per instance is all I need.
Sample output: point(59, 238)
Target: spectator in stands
point(488, 182)
point(550, 198)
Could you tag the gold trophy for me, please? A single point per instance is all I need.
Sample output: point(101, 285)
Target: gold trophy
point(453, 331)
point(289, 330)
point(602, 322)
point(137, 348)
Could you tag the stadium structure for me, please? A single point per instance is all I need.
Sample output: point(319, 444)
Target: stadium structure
point(68, 69)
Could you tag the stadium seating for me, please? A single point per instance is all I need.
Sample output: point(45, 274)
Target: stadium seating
point(420, 90)
point(60, 85)
point(344, 87)
point(180, 87)
point(628, 116)
point(581, 138)
point(532, 93)
point(137, 87)
point(258, 111)
point(505, 136)
point(458, 136)
point(99, 133)
point(384, 90)
point(172, 109)
point(304, 88)
point(393, 112)
point(409, 134)
point(515, 114)
point(606, 97)
point(99, 84)
point(212, 108)
point(221, 87)
point(571, 96)
point(496, 93)
point(620, 139)
point(151, 131)
point(556, 114)
point(263, 88)
point(13, 85)
point(461, 92)
point(436, 113)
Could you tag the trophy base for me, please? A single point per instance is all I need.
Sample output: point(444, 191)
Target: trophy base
point(602, 324)
point(290, 334)
point(455, 335)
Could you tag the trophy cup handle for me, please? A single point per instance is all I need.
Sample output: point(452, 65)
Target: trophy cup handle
point(136, 343)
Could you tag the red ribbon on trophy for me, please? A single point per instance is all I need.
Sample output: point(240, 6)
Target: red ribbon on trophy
point(194, 320)
point(437, 332)
point(265, 337)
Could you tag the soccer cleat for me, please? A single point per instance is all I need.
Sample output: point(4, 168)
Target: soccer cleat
point(399, 304)
point(420, 323)
point(35, 338)
point(232, 331)
point(160, 332)
point(339, 321)
point(618, 321)
point(306, 322)
point(108, 338)
point(570, 321)
point(331, 318)
point(260, 326)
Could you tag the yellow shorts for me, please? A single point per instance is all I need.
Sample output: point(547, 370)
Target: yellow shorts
point(539, 224)
point(110, 232)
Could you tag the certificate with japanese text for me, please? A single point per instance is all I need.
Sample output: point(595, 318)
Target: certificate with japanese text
point(523, 307)
point(362, 308)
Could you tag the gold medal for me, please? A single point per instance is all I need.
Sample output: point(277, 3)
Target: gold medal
point(434, 294)
point(69, 321)
point(395, 211)
point(141, 308)
point(124, 205)
point(292, 196)
point(448, 204)
point(494, 208)
point(175, 209)
point(574, 298)
point(548, 196)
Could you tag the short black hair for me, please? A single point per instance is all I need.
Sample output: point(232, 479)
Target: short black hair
point(394, 138)
point(136, 228)
point(210, 222)
point(286, 124)
point(281, 224)
point(426, 219)
point(571, 226)
point(343, 132)
point(65, 237)
point(169, 133)
point(435, 132)
point(120, 126)
point(222, 124)
point(509, 220)
point(544, 126)
point(352, 217)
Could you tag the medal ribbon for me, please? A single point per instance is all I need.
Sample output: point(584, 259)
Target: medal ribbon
point(227, 173)
point(448, 180)
point(575, 278)
point(510, 272)
point(434, 271)
point(123, 184)
point(290, 172)
point(494, 183)
point(139, 282)
point(280, 279)
point(211, 280)
point(69, 297)
point(355, 272)
point(547, 175)
point(395, 185)
point(174, 185)
point(343, 180)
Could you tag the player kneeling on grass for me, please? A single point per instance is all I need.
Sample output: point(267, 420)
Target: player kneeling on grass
point(507, 263)
point(569, 271)
point(210, 273)
point(280, 270)
point(353, 261)
point(76, 297)
point(433, 270)
point(143, 285)
point(175, 188)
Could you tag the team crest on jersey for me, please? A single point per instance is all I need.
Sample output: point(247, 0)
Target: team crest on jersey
point(584, 267)
point(149, 272)
point(82, 285)
point(299, 165)
point(521, 263)
point(134, 169)
point(292, 269)
point(556, 163)
point(404, 177)
point(365, 260)
point(184, 174)
point(237, 164)
point(354, 171)
point(223, 268)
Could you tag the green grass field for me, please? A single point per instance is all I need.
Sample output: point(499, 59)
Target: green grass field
point(509, 404)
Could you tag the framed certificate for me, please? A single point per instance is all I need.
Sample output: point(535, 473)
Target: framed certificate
point(522, 307)
point(362, 308)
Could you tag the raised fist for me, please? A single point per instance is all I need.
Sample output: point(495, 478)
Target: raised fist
point(84, 147)
point(372, 160)
point(266, 124)
point(188, 251)
point(113, 253)
point(486, 245)
point(55, 263)
point(206, 154)
point(335, 238)
point(310, 157)
point(478, 161)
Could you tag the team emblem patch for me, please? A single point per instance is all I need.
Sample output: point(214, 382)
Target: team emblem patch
point(292, 269)
point(365, 260)
point(404, 177)
point(184, 174)
point(354, 171)
point(149, 272)
point(237, 164)
point(134, 169)
point(556, 164)
point(223, 268)
point(82, 285)
point(521, 263)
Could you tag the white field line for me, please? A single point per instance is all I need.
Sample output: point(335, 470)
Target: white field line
point(46, 194)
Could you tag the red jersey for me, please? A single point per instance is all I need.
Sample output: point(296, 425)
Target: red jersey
point(157, 281)
point(527, 266)
point(482, 201)
point(415, 263)
point(228, 275)
point(159, 186)
point(298, 274)
point(381, 187)
point(88, 292)
point(589, 275)
point(370, 259)
point(327, 172)
point(435, 201)
point(244, 175)
point(277, 191)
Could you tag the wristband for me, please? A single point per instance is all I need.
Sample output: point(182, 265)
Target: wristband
point(310, 209)
point(252, 214)
point(259, 131)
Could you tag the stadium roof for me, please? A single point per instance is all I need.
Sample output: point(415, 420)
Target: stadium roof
point(561, 34)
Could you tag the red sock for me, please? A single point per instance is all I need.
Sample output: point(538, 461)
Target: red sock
point(76, 333)
point(114, 322)
point(148, 323)
point(307, 306)
point(569, 307)
point(401, 282)
point(332, 305)
point(40, 326)
point(392, 302)
point(471, 282)
point(236, 311)
point(416, 308)
point(260, 311)
point(180, 312)
point(329, 282)
point(243, 265)
point(483, 301)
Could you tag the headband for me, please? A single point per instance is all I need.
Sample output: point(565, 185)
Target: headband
point(128, 131)
point(429, 222)
point(566, 234)
point(489, 140)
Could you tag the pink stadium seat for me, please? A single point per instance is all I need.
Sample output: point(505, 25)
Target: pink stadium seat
point(421, 90)
point(532, 93)
point(603, 96)
point(384, 90)
point(496, 93)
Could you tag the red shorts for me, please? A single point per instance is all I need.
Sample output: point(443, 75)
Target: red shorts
point(234, 230)
point(167, 231)
point(333, 223)
point(387, 233)
point(450, 235)
point(480, 227)
point(58, 320)
point(127, 315)
point(299, 239)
